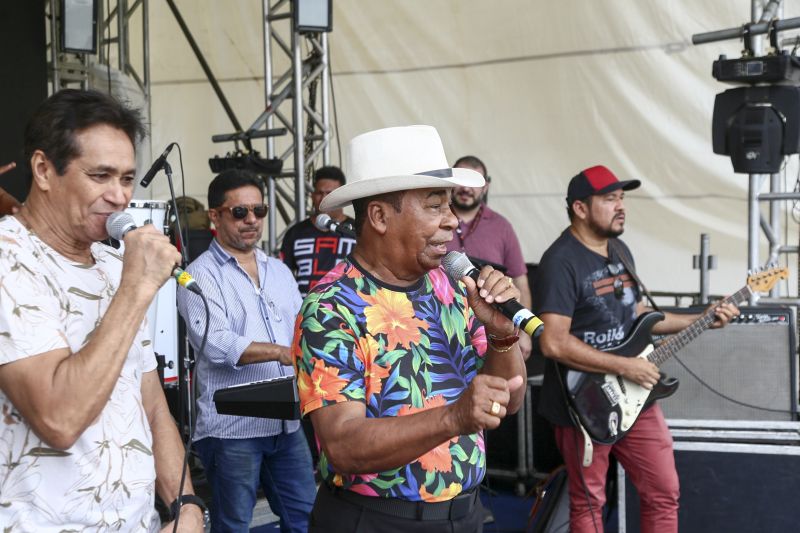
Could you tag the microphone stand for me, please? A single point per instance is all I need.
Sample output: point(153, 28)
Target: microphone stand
point(186, 400)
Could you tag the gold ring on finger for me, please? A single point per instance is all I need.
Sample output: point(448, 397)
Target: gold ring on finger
point(495, 410)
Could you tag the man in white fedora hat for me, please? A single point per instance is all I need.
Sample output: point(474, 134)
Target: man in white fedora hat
point(399, 366)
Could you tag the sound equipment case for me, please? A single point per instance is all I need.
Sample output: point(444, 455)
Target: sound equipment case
point(735, 476)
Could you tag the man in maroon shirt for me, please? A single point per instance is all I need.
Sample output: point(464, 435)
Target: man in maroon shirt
point(487, 237)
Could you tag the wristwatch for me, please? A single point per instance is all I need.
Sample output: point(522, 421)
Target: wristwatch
point(184, 499)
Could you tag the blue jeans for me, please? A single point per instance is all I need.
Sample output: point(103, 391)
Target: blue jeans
point(234, 468)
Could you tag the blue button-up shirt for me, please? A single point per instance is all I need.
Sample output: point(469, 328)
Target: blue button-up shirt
point(241, 313)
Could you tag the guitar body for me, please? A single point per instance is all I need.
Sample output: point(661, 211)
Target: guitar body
point(608, 405)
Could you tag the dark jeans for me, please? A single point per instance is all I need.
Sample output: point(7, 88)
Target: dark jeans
point(234, 468)
point(332, 514)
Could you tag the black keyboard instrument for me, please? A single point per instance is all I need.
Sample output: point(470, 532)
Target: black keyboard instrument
point(269, 398)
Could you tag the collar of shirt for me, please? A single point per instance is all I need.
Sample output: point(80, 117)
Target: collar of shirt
point(221, 256)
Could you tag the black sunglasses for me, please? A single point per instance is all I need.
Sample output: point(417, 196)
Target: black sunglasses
point(239, 212)
point(619, 287)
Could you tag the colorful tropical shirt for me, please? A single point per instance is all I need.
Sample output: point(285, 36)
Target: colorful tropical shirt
point(398, 350)
point(106, 480)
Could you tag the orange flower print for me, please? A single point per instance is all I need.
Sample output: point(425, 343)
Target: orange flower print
point(439, 458)
point(447, 494)
point(391, 313)
point(323, 386)
point(367, 349)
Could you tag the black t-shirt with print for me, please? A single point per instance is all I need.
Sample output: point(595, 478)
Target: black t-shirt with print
point(597, 292)
point(310, 252)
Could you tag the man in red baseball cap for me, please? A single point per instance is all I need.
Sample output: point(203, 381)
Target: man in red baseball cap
point(589, 301)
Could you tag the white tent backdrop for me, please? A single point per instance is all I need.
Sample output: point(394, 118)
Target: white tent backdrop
point(537, 89)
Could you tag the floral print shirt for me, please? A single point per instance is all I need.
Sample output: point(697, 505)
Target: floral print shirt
point(106, 480)
point(398, 350)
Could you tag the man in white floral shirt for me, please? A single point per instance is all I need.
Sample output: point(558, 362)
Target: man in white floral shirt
point(86, 437)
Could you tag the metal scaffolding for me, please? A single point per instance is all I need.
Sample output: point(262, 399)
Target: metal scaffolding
point(297, 98)
point(763, 12)
point(115, 44)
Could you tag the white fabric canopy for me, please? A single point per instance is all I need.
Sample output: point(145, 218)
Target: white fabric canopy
point(538, 90)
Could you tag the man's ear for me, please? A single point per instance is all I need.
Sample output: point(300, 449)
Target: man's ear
point(213, 216)
point(42, 170)
point(378, 215)
point(581, 209)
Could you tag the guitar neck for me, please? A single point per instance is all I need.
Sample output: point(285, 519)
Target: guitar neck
point(675, 342)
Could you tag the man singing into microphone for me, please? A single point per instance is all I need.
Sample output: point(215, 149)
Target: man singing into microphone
point(400, 366)
point(87, 437)
point(308, 251)
point(253, 301)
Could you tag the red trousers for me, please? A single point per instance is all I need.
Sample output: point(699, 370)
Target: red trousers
point(646, 454)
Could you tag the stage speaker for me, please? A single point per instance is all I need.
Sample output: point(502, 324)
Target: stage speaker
point(753, 361)
point(730, 487)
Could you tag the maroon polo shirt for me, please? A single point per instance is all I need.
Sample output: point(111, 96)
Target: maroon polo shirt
point(491, 238)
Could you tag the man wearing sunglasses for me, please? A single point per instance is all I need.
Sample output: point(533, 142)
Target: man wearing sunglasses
point(253, 300)
point(589, 301)
point(308, 251)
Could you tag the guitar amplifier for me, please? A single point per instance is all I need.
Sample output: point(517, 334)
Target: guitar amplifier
point(753, 360)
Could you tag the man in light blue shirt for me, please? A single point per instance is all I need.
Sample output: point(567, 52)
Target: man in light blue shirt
point(253, 301)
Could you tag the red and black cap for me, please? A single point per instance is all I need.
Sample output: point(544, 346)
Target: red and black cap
point(596, 180)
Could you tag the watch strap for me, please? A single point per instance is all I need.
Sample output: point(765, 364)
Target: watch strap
point(184, 499)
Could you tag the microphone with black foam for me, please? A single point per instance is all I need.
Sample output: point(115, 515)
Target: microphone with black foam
point(157, 165)
point(120, 223)
point(324, 222)
point(458, 265)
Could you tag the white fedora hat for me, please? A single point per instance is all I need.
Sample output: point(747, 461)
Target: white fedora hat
point(397, 159)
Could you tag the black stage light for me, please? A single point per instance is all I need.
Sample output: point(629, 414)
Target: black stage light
point(312, 16)
point(252, 162)
point(757, 127)
point(79, 26)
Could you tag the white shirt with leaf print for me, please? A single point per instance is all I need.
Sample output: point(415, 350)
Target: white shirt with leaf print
point(105, 481)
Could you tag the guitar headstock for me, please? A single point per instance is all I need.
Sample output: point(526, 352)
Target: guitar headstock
point(766, 279)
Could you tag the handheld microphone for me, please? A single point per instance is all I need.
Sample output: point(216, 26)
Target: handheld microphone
point(157, 165)
point(120, 223)
point(458, 265)
point(324, 222)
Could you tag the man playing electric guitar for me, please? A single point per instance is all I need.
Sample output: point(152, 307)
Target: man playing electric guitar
point(589, 302)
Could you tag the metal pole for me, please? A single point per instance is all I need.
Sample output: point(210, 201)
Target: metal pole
point(326, 121)
point(272, 220)
point(146, 60)
point(753, 223)
point(54, 45)
point(122, 38)
point(704, 254)
point(299, 129)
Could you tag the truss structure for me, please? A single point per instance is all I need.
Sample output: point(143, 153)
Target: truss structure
point(296, 89)
point(117, 48)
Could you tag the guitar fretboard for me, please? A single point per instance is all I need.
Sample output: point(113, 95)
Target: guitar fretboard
point(675, 342)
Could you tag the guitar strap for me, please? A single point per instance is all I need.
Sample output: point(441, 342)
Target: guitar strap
point(619, 251)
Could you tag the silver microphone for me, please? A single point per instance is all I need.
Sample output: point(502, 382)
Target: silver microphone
point(324, 222)
point(120, 223)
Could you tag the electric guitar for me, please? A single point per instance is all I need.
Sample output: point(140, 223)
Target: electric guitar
point(608, 405)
